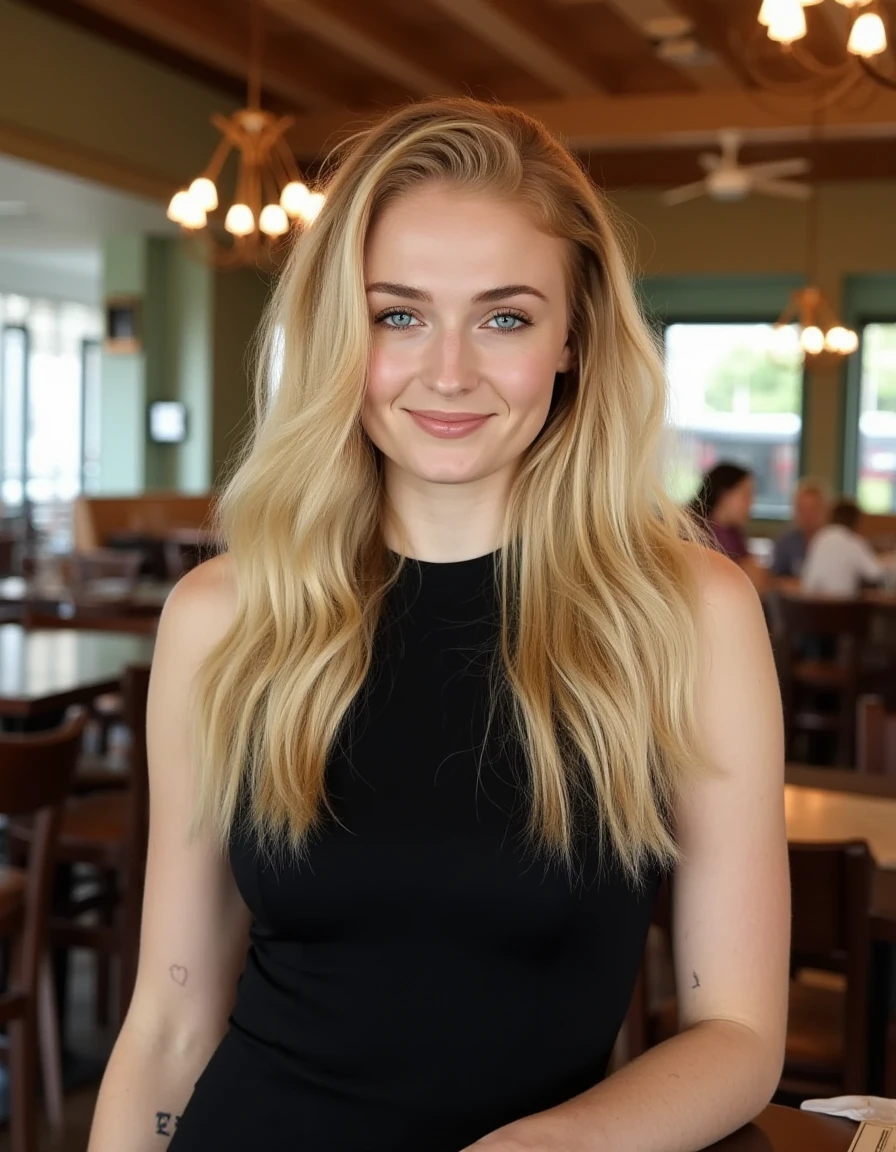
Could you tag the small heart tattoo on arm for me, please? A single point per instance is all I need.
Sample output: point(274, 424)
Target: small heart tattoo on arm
point(178, 974)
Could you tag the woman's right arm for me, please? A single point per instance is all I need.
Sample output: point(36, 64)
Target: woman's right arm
point(194, 932)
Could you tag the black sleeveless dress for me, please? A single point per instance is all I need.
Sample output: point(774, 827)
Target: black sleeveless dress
point(423, 977)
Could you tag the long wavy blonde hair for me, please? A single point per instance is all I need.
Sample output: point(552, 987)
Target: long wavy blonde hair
point(598, 646)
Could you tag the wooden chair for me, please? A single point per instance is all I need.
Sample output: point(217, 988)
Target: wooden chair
point(843, 624)
point(827, 1034)
point(108, 831)
point(35, 771)
point(875, 738)
point(104, 564)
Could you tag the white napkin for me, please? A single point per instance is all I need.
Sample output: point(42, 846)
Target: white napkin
point(873, 1108)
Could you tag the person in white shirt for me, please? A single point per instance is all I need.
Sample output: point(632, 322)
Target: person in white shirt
point(839, 560)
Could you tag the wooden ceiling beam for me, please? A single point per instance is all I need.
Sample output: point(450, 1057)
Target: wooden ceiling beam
point(207, 41)
point(352, 40)
point(587, 123)
point(508, 34)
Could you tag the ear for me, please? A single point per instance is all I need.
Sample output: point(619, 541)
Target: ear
point(567, 356)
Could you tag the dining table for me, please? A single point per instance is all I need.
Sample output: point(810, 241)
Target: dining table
point(778, 1129)
point(43, 671)
point(50, 593)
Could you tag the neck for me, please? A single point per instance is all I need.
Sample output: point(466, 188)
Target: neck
point(443, 522)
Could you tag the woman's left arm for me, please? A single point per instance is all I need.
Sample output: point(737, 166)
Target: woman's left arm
point(731, 919)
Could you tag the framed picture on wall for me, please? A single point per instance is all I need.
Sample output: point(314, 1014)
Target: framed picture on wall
point(123, 325)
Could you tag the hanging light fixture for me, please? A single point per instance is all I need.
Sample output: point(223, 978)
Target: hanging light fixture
point(779, 56)
point(269, 192)
point(809, 324)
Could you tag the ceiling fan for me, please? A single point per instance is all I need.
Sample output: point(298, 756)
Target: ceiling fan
point(725, 179)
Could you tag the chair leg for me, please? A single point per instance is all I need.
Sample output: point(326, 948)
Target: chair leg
point(22, 1082)
point(102, 959)
point(50, 1053)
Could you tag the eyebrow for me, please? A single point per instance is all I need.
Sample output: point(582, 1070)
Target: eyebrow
point(489, 296)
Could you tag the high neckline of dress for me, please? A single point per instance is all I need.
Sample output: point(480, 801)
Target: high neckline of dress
point(458, 575)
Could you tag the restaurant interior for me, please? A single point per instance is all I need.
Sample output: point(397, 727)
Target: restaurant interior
point(749, 152)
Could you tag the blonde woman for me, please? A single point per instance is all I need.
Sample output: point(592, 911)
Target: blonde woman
point(424, 742)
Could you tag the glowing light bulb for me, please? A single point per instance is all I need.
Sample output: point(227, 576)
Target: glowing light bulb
point(293, 198)
point(850, 342)
point(178, 206)
point(204, 193)
point(273, 221)
point(239, 220)
point(788, 23)
point(834, 337)
point(785, 340)
point(192, 214)
point(313, 206)
point(812, 340)
point(868, 36)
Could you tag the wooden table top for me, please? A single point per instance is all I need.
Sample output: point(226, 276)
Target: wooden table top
point(45, 671)
point(821, 814)
point(789, 1130)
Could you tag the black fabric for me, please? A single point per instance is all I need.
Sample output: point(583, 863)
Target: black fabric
point(423, 976)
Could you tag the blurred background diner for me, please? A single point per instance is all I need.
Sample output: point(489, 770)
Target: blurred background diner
point(754, 163)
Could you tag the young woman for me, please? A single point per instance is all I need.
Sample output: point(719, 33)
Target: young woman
point(723, 504)
point(424, 742)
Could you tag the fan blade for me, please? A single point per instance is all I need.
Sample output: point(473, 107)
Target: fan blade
point(787, 188)
point(709, 161)
point(775, 169)
point(685, 192)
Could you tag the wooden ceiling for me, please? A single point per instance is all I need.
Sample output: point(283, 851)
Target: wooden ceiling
point(594, 70)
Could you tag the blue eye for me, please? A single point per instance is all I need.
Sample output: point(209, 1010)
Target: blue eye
point(507, 322)
point(396, 319)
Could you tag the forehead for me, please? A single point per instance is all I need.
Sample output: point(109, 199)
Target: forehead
point(439, 236)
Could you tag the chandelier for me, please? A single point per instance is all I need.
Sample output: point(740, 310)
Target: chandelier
point(778, 56)
point(269, 194)
point(809, 324)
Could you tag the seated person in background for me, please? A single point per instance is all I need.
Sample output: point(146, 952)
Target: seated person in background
point(723, 503)
point(810, 514)
point(839, 560)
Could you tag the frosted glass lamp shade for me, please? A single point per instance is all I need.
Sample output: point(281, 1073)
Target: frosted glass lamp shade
point(239, 220)
point(293, 198)
point(204, 193)
point(273, 221)
point(868, 36)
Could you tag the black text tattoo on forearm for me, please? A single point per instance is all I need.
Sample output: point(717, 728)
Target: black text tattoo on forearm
point(166, 1123)
point(696, 983)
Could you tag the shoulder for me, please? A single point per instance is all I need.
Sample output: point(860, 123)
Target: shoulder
point(201, 607)
point(728, 608)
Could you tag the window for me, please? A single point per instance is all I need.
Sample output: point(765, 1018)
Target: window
point(735, 395)
point(876, 487)
point(49, 395)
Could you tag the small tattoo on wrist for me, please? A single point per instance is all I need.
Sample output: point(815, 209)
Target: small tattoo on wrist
point(166, 1124)
point(178, 974)
point(696, 983)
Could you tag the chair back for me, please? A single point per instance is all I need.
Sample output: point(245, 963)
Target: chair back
point(8, 544)
point(817, 616)
point(875, 737)
point(35, 775)
point(135, 687)
point(831, 885)
point(104, 564)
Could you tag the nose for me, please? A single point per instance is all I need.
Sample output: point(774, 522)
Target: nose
point(452, 368)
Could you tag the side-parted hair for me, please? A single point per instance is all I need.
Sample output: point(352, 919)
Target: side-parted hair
point(598, 649)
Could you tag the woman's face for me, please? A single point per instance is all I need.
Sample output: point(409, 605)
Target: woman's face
point(736, 504)
point(468, 312)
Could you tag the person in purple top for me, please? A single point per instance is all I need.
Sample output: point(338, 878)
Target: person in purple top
point(723, 503)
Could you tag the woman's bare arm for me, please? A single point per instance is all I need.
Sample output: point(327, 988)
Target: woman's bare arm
point(195, 926)
point(731, 918)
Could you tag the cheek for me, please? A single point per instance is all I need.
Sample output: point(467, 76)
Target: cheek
point(387, 373)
